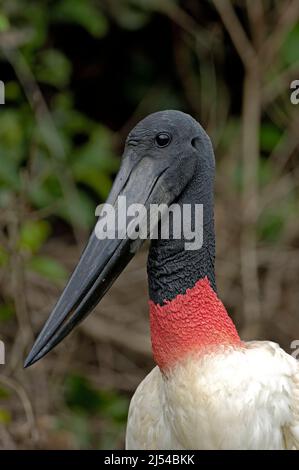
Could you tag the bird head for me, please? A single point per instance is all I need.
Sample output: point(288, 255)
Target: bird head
point(160, 158)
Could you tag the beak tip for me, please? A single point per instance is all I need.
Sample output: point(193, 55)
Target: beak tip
point(27, 362)
point(32, 357)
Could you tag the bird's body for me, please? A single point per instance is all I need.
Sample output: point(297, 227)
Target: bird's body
point(229, 398)
point(210, 390)
point(218, 392)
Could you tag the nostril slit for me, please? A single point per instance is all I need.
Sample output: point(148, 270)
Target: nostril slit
point(195, 142)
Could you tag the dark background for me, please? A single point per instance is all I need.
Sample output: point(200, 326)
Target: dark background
point(78, 76)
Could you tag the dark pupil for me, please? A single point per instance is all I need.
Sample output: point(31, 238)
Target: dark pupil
point(162, 139)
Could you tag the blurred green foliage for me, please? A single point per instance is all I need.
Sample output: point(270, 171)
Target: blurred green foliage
point(5, 415)
point(86, 403)
point(81, 396)
point(64, 185)
point(29, 168)
point(290, 54)
point(6, 311)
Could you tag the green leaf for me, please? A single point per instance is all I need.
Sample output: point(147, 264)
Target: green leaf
point(4, 23)
point(6, 312)
point(37, 16)
point(237, 177)
point(273, 220)
point(81, 395)
point(230, 130)
point(3, 256)
point(80, 210)
point(12, 91)
point(69, 120)
point(290, 47)
point(4, 393)
point(9, 176)
point(269, 137)
point(97, 180)
point(117, 408)
point(265, 171)
point(271, 226)
point(129, 16)
point(53, 68)
point(85, 13)
point(33, 234)
point(11, 129)
point(45, 192)
point(5, 416)
point(95, 161)
point(48, 267)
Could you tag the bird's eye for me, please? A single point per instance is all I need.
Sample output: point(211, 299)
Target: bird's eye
point(163, 139)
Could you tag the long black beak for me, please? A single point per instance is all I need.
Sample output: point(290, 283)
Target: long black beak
point(102, 260)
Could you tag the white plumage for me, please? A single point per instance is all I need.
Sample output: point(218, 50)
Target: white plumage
point(232, 398)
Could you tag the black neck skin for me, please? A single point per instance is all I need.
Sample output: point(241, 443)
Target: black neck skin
point(171, 268)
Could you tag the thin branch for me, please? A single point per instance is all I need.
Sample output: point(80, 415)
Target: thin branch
point(287, 16)
point(236, 32)
point(250, 161)
point(178, 15)
point(23, 396)
point(16, 38)
point(100, 330)
point(256, 17)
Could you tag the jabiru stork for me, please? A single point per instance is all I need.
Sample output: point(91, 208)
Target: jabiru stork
point(210, 389)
